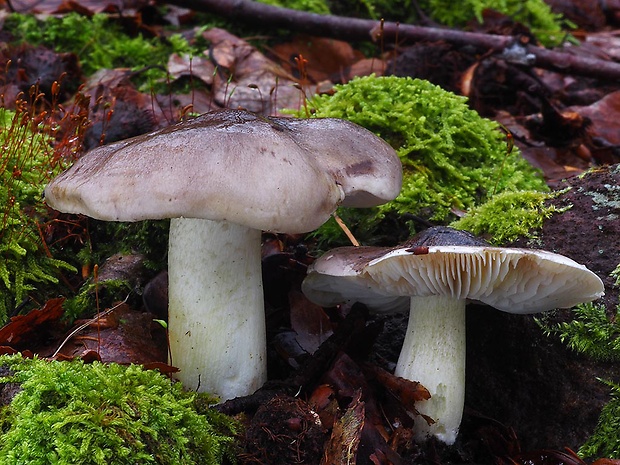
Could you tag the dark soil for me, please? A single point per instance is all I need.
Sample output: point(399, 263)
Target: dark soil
point(547, 393)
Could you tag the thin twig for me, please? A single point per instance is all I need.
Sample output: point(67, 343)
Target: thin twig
point(346, 230)
point(88, 323)
point(346, 28)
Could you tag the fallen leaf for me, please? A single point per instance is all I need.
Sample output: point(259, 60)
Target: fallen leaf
point(246, 78)
point(603, 115)
point(21, 327)
point(606, 462)
point(407, 391)
point(326, 59)
point(309, 321)
point(135, 339)
point(323, 401)
point(186, 65)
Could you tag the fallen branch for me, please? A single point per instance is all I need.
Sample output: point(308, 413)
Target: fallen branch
point(339, 27)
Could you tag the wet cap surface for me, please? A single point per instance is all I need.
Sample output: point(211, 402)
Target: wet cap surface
point(275, 174)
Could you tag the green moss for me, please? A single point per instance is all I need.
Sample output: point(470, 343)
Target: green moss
point(616, 275)
point(591, 332)
point(536, 14)
point(509, 215)
point(26, 164)
point(99, 43)
point(74, 413)
point(605, 441)
point(452, 157)
point(103, 293)
point(549, 27)
point(312, 6)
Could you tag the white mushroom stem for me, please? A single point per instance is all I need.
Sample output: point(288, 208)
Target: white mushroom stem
point(433, 353)
point(216, 310)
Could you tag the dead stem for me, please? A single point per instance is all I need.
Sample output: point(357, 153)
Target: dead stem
point(346, 230)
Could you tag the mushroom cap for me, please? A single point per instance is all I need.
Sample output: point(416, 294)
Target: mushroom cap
point(511, 280)
point(276, 174)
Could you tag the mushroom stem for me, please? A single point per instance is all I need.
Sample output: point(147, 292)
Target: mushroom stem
point(216, 309)
point(434, 354)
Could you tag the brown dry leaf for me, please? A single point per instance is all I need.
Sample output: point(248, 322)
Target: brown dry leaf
point(246, 78)
point(83, 6)
point(163, 368)
point(323, 401)
point(117, 109)
point(606, 462)
point(585, 13)
point(366, 67)
point(608, 42)
point(408, 392)
point(346, 434)
point(326, 59)
point(135, 339)
point(555, 162)
point(379, 458)
point(186, 65)
point(345, 376)
point(21, 327)
point(604, 117)
point(309, 321)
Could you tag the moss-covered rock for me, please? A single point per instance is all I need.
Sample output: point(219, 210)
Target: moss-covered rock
point(452, 158)
point(75, 413)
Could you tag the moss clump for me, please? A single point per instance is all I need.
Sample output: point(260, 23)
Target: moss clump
point(26, 164)
point(549, 27)
point(99, 42)
point(509, 215)
point(536, 14)
point(313, 6)
point(591, 332)
point(605, 441)
point(452, 157)
point(102, 294)
point(74, 413)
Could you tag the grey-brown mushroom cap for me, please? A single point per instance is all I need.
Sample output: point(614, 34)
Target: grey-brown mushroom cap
point(511, 280)
point(338, 277)
point(276, 174)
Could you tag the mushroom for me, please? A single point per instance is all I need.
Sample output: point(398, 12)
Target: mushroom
point(222, 178)
point(435, 278)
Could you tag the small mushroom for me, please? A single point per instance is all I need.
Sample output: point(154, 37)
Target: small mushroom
point(222, 178)
point(435, 280)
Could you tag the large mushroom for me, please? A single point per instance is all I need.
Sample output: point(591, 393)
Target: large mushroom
point(223, 178)
point(435, 278)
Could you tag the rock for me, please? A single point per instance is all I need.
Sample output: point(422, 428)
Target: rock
point(548, 393)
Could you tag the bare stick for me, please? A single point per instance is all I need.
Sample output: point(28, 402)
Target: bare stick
point(345, 28)
point(346, 230)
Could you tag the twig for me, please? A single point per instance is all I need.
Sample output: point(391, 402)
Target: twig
point(340, 27)
point(346, 230)
point(88, 323)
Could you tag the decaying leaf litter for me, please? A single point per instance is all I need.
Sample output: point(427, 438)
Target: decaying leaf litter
point(561, 122)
